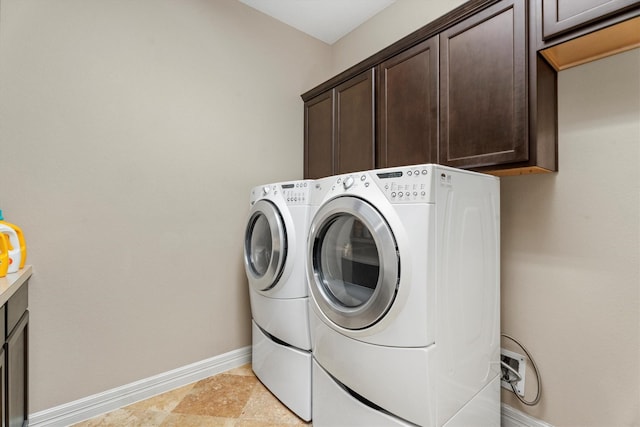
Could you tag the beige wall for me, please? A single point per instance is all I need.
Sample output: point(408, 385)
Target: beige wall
point(130, 135)
point(131, 132)
point(570, 240)
point(571, 256)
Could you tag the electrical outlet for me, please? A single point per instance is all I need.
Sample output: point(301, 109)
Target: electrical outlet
point(517, 362)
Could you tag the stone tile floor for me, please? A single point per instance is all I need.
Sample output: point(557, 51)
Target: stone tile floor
point(235, 398)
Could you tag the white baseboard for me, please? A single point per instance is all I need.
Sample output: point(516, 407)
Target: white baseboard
point(110, 400)
point(511, 417)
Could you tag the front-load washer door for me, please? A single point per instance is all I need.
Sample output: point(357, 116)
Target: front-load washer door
point(265, 245)
point(354, 265)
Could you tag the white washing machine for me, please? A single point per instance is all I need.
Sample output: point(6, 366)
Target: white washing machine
point(403, 266)
point(275, 258)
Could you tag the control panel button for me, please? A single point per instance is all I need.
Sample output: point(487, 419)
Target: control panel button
point(348, 182)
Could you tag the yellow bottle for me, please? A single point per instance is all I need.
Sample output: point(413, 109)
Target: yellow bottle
point(22, 243)
point(4, 254)
point(15, 254)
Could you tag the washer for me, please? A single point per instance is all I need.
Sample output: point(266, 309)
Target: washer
point(275, 258)
point(403, 267)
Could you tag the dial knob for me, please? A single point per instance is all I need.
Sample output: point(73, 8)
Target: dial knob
point(348, 182)
point(265, 190)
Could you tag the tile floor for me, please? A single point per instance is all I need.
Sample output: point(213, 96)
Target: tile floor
point(235, 398)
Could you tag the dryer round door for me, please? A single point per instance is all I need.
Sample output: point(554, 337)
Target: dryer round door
point(354, 266)
point(265, 245)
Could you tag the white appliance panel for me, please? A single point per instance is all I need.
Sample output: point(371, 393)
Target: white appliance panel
point(468, 286)
point(400, 380)
point(286, 319)
point(439, 341)
point(483, 410)
point(334, 406)
point(292, 207)
point(279, 299)
point(409, 320)
point(284, 370)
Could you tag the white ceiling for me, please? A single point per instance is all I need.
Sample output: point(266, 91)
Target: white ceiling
point(326, 20)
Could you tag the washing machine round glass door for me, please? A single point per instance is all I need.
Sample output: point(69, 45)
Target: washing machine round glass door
point(354, 264)
point(265, 245)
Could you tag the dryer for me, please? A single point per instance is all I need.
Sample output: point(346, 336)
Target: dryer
point(275, 258)
point(403, 269)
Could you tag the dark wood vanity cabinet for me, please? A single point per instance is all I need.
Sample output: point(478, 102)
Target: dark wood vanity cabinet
point(339, 128)
point(3, 369)
point(14, 363)
point(407, 113)
point(562, 16)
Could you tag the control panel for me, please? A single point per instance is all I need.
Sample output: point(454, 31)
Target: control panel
point(405, 184)
point(293, 193)
point(296, 193)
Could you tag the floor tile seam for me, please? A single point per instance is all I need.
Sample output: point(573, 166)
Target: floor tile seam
point(200, 417)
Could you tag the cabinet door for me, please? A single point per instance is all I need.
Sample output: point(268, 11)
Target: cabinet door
point(408, 107)
point(3, 391)
point(354, 124)
point(559, 16)
point(483, 97)
point(3, 368)
point(17, 373)
point(318, 136)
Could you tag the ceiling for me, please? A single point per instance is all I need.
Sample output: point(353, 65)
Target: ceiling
point(326, 20)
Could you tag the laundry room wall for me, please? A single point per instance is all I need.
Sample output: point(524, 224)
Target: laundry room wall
point(570, 240)
point(131, 132)
point(571, 253)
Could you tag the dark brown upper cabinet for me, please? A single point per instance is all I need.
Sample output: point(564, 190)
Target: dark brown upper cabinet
point(408, 107)
point(574, 32)
point(483, 96)
point(318, 136)
point(339, 128)
point(561, 16)
point(354, 124)
point(467, 90)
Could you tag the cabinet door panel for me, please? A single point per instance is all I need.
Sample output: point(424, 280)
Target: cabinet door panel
point(17, 373)
point(559, 16)
point(3, 392)
point(408, 107)
point(354, 138)
point(318, 137)
point(483, 98)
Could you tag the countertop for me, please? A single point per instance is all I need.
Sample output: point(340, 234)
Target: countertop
point(12, 282)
